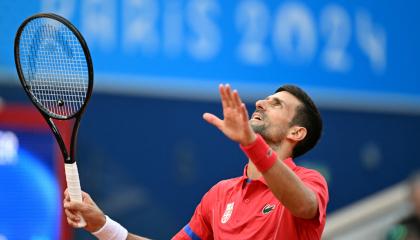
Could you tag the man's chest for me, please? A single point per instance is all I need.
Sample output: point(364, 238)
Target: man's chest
point(246, 211)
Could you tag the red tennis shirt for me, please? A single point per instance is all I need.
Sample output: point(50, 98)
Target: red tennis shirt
point(241, 208)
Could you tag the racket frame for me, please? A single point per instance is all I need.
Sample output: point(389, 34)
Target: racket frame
point(67, 156)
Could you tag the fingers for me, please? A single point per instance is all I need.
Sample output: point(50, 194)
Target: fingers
point(72, 215)
point(86, 198)
point(85, 195)
point(72, 223)
point(74, 206)
point(244, 113)
point(212, 119)
point(224, 96)
point(66, 194)
point(238, 102)
point(66, 197)
point(230, 99)
point(72, 211)
point(236, 99)
point(232, 105)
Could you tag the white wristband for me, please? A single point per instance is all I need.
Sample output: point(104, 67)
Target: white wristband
point(111, 231)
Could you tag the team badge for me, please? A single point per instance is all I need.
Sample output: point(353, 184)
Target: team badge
point(228, 212)
point(268, 208)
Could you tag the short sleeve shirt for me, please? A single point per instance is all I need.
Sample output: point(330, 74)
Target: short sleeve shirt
point(241, 208)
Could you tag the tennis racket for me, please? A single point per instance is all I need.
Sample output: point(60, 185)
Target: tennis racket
point(55, 69)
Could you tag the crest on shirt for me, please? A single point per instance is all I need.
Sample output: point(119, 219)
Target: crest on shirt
point(268, 208)
point(228, 212)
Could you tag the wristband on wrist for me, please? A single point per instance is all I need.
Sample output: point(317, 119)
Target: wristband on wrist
point(111, 231)
point(260, 154)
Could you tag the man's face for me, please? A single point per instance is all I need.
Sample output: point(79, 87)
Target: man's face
point(272, 116)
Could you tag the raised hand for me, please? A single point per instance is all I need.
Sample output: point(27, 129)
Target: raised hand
point(235, 123)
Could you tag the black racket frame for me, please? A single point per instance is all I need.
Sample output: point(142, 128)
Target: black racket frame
point(68, 158)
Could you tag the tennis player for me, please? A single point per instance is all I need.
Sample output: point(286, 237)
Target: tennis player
point(273, 199)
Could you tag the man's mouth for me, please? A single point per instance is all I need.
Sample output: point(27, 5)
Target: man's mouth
point(257, 116)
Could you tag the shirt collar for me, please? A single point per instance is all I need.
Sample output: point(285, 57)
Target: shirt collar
point(288, 161)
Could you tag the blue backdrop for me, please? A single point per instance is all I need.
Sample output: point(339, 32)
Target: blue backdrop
point(30, 206)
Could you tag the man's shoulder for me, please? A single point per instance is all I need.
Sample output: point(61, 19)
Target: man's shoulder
point(225, 185)
point(221, 188)
point(228, 183)
point(307, 172)
point(311, 176)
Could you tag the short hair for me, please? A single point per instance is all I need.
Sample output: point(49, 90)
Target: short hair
point(308, 116)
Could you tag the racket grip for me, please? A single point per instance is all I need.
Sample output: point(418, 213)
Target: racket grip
point(73, 187)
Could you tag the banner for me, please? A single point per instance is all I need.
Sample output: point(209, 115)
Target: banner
point(340, 51)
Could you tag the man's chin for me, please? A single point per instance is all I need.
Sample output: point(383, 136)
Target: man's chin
point(258, 128)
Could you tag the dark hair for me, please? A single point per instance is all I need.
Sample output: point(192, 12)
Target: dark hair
point(308, 116)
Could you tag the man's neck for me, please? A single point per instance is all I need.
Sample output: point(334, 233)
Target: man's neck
point(252, 171)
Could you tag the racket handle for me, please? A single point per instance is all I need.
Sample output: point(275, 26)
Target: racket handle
point(73, 187)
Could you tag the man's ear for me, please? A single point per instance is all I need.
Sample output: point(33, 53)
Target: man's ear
point(297, 133)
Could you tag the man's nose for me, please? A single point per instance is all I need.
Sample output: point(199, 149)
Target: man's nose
point(260, 104)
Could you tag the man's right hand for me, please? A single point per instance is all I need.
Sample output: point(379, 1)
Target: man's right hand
point(91, 213)
point(235, 123)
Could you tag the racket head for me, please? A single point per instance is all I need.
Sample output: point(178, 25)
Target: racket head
point(54, 65)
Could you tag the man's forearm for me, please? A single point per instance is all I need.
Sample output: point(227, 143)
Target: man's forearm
point(282, 181)
point(291, 191)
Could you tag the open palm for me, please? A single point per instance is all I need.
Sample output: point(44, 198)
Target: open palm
point(235, 123)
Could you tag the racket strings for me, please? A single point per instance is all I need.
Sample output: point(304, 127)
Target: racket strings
point(54, 65)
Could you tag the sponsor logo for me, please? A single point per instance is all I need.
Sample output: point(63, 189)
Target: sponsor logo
point(268, 208)
point(228, 213)
point(269, 152)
